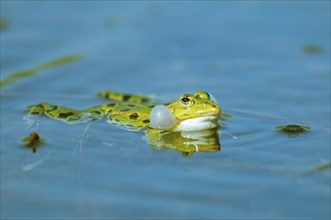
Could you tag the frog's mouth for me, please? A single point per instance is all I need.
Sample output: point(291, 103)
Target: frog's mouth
point(198, 124)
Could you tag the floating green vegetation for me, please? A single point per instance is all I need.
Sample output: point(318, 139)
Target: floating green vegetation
point(13, 77)
point(226, 115)
point(33, 141)
point(323, 166)
point(293, 129)
point(319, 168)
point(312, 49)
point(60, 61)
point(3, 24)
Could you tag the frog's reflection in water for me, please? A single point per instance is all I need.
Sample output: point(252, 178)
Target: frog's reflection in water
point(185, 142)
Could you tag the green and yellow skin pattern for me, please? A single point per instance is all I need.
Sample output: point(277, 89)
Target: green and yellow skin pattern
point(133, 111)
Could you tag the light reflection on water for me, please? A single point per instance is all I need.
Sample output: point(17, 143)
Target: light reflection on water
point(255, 67)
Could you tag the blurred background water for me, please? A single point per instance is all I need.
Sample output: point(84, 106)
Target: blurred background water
point(266, 62)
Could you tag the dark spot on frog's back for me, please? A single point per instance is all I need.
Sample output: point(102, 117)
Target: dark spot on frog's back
point(145, 100)
point(111, 104)
point(126, 97)
point(133, 116)
point(65, 115)
point(146, 121)
point(96, 112)
point(34, 113)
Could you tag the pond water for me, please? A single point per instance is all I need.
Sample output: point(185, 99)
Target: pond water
point(267, 64)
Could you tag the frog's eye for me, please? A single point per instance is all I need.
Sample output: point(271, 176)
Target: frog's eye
point(186, 101)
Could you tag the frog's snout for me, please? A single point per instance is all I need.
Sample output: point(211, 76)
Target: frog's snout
point(216, 108)
point(213, 105)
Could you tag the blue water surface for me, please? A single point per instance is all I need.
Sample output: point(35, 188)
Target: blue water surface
point(249, 54)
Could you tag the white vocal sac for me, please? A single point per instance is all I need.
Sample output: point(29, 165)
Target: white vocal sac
point(161, 118)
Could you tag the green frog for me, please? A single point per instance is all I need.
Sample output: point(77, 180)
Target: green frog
point(135, 112)
point(188, 124)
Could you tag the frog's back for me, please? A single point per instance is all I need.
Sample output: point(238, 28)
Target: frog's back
point(129, 115)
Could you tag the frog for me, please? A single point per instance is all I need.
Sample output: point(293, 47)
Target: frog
point(190, 112)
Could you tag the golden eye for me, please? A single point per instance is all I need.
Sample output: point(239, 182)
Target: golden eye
point(186, 101)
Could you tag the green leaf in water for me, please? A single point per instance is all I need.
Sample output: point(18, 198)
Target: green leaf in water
point(13, 77)
point(319, 168)
point(323, 166)
point(60, 61)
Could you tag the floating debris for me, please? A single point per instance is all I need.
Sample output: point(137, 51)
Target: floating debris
point(323, 166)
point(293, 129)
point(3, 24)
point(319, 168)
point(312, 49)
point(34, 140)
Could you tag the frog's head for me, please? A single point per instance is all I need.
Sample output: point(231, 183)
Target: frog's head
point(189, 113)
